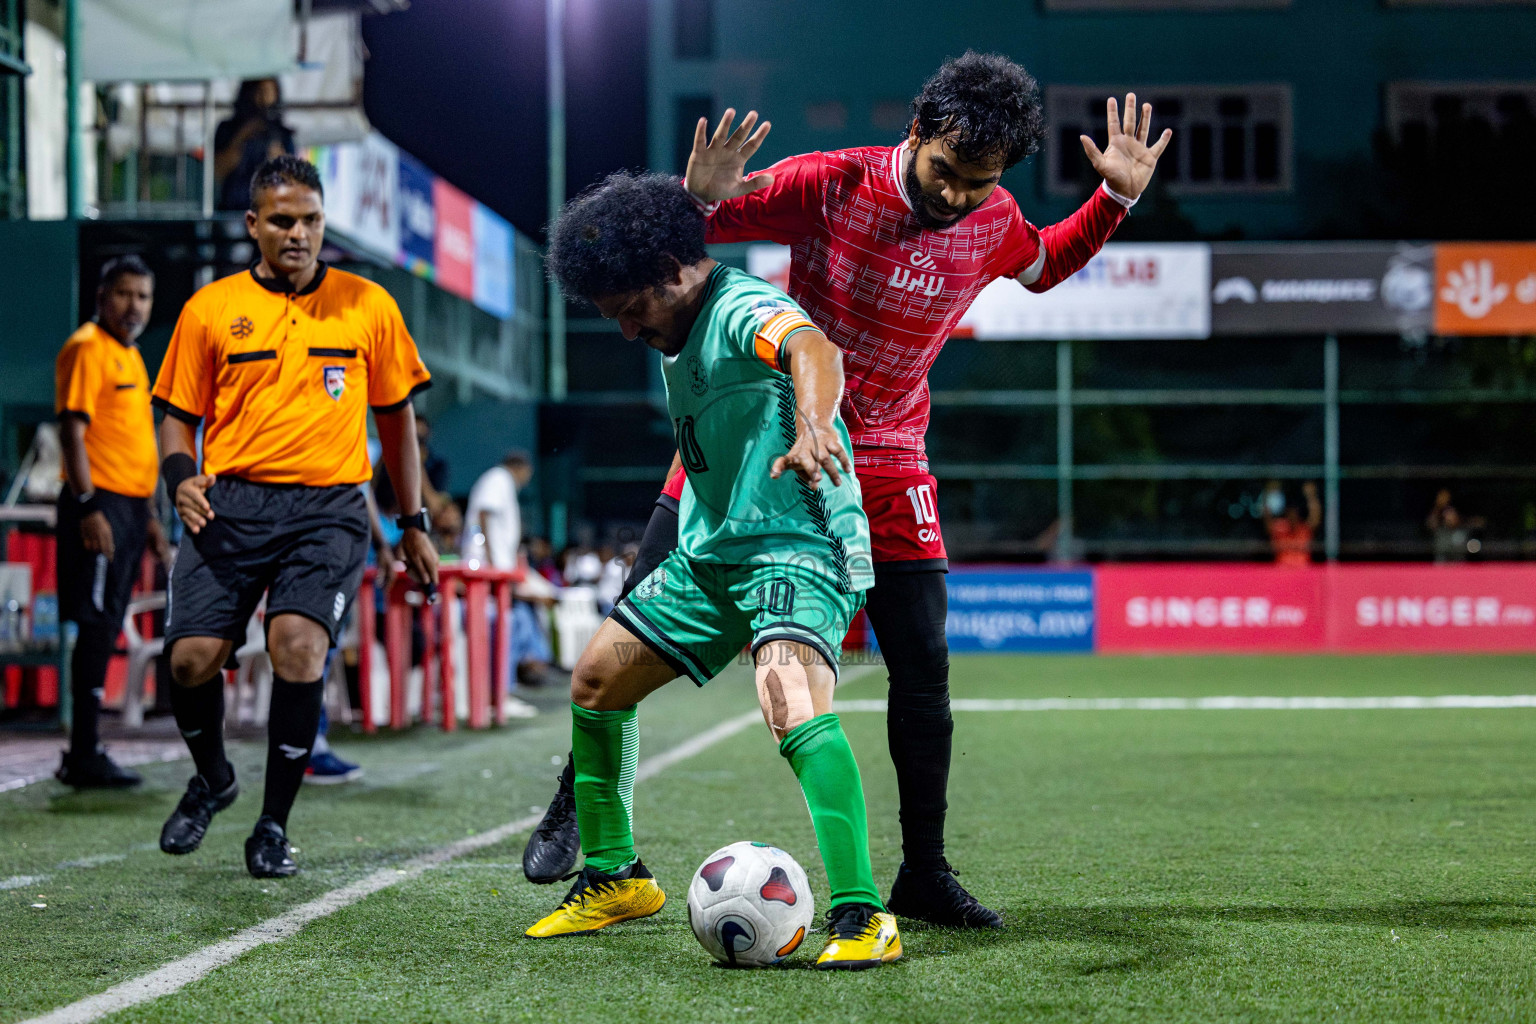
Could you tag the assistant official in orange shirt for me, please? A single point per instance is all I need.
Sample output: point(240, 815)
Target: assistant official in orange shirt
point(107, 432)
point(279, 364)
point(1290, 536)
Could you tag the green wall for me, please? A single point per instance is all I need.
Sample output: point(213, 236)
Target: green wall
point(780, 56)
point(38, 264)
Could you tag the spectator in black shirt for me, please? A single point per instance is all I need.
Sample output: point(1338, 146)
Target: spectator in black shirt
point(254, 134)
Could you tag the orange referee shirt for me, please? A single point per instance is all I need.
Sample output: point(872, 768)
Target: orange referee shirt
point(282, 379)
point(104, 381)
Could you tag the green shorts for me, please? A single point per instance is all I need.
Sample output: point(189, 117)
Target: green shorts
point(698, 616)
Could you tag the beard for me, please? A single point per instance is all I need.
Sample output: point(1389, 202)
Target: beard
point(926, 208)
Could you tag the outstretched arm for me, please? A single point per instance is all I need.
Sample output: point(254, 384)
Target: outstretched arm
point(1126, 164)
point(781, 204)
point(1314, 506)
point(816, 365)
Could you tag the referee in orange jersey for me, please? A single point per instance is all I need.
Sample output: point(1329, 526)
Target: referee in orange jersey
point(279, 364)
point(107, 432)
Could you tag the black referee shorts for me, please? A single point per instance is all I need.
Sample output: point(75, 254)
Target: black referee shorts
point(304, 547)
point(94, 589)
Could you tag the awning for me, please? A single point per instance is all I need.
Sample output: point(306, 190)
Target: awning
point(179, 40)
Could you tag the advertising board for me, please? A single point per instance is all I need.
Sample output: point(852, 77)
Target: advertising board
point(1020, 610)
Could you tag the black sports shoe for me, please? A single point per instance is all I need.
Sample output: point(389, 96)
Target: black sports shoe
point(551, 851)
point(184, 829)
point(95, 770)
point(936, 897)
point(266, 851)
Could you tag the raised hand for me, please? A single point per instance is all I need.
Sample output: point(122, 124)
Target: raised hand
point(1127, 162)
point(717, 165)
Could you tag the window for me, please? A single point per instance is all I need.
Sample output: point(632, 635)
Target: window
point(1160, 5)
point(1225, 138)
point(687, 111)
point(826, 116)
point(693, 29)
point(1420, 113)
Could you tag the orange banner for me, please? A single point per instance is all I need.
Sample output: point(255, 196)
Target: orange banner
point(1485, 288)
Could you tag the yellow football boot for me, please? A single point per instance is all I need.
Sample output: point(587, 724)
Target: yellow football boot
point(597, 900)
point(861, 935)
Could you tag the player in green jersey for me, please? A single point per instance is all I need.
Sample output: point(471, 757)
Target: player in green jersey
point(773, 549)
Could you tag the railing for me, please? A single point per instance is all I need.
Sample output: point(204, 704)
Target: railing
point(487, 651)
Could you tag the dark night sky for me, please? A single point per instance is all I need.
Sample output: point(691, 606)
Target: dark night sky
point(460, 84)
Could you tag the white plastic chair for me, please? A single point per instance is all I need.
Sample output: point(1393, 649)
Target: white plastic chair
point(253, 677)
point(576, 622)
point(142, 651)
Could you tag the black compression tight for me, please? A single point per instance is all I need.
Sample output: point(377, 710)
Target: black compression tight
point(907, 611)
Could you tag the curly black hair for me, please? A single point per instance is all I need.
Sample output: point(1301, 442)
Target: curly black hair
point(623, 234)
point(985, 106)
point(284, 170)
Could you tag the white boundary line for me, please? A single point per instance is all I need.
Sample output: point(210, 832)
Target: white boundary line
point(1221, 703)
point(126, 760)
point(179, 973)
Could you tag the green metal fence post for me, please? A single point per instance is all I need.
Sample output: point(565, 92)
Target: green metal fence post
point(1064, 532)
point(1331, 448)
point(74, 153)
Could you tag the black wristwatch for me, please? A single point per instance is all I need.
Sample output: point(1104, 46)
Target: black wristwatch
point(420, 521)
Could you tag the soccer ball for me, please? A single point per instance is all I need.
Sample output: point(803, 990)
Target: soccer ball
point(750, 905)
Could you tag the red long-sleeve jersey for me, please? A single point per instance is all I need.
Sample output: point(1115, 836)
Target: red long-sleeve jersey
point(888, 291)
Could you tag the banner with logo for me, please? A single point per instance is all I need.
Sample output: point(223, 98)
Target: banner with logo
point(362, 192)
point(387, 203)
point(1344, 287)
point(1129, 290)
point(493, 262)
point(1193, 608)
point(418, 217)
point(1485, 288)
point(453, 247)
point(1020, 610)
point(1432, 608)
point(1342, 608)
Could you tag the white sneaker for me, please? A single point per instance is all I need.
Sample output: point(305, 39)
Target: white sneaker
point(516, 707)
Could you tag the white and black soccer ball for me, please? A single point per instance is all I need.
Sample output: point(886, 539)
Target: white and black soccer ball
point(750, 905)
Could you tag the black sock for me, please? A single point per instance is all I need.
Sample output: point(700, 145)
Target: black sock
point(199, 712)
point(88, 674)
point(908, 612)
point(291, 728)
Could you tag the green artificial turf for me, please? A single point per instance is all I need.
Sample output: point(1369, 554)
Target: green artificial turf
point(1152, 865)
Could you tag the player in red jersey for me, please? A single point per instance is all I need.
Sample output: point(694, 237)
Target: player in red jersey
point(890, 245)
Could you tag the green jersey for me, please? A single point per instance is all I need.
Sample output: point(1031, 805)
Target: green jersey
point(732, 403)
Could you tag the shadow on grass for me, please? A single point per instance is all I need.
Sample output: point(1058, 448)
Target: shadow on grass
point(1157, 936)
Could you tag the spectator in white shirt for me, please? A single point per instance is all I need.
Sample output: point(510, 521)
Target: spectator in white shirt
point(493, 528)
point(493, 525)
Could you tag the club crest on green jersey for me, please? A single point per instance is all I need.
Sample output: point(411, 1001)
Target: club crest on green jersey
point(698, 378)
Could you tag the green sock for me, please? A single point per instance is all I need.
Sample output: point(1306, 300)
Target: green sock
point(606, 748)
point(823, 762)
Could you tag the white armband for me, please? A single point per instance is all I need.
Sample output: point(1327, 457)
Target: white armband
point(1116, 196)
point(707, 209)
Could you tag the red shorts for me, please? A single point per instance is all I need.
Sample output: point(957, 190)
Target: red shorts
point(903, 515)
